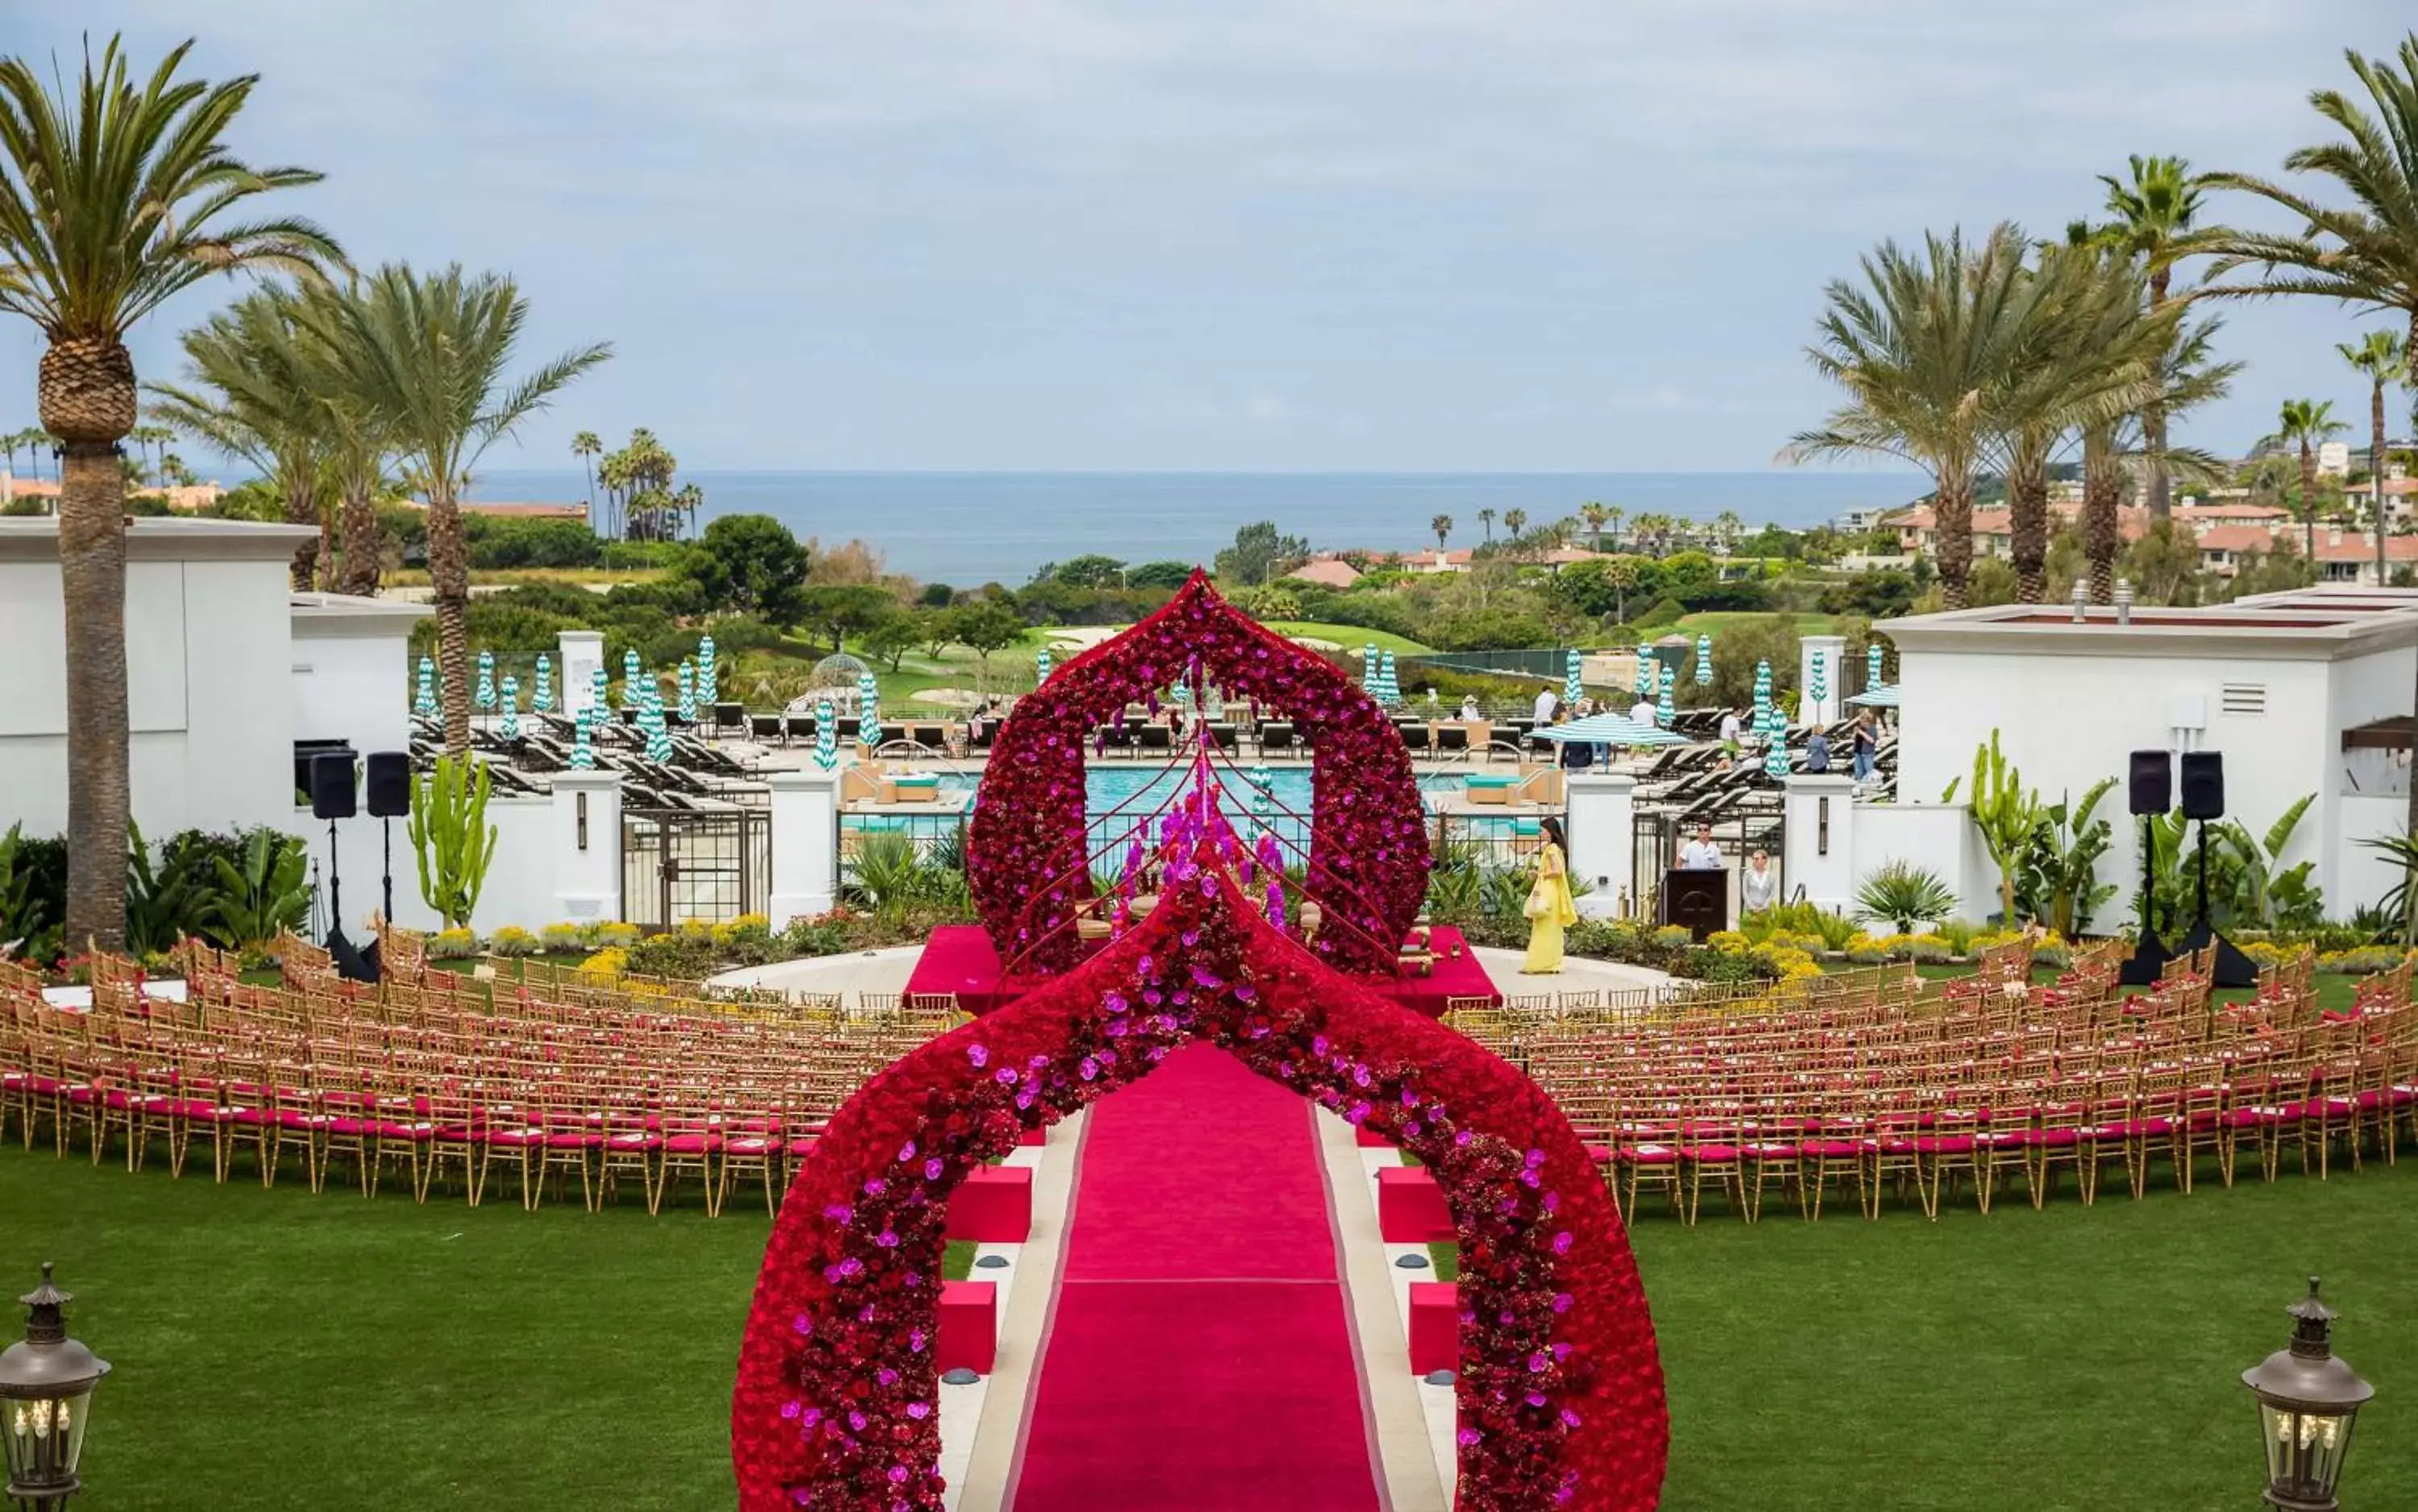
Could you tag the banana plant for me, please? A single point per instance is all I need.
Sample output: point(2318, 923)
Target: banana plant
point(2268, 898)
point(2061, 871)
point(452, 837)
point(160, 901)
point(23, 917)
point(2400, 906)
point(2004, 813)
point(266, 894)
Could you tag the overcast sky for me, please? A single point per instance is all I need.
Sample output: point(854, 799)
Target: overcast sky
point(1231, 235)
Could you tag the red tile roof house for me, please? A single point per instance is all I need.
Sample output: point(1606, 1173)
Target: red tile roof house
point(1326, 571)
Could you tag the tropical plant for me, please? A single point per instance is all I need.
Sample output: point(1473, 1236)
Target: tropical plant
point(2262, 894)
point(452, 837)
point(1486, 518)
point(2381, 356)
point(23, 918)
point(162, 903)
point(1904, 894)
point(426, 355)
point(113, 198)
point(2400, 850)
point(2003, 813)
point(264, 894)
point(1836, 929)
point(1919, 347)
point(2154, 215)
point(2304, 423)
point(2061, 864)
point(588, 448)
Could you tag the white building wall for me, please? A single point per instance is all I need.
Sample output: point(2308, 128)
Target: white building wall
point(2067, 721)
point(351, 687)
point(520, 887)
point(2363, 875)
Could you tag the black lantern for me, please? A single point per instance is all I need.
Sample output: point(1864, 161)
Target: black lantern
point(2307, 1401)
point(46, 1385)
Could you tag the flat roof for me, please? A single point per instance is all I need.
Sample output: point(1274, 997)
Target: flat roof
point(164, 538)
point(2323, 623)
point(348, 613)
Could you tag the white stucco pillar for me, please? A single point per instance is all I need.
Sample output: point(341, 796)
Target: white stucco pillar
point(1602, 824)
point(586, 839)
point(1818, 829)
point(1832, 649)
point(805, 843)
point(583, 652)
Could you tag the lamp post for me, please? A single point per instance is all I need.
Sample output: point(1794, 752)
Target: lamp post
point(2307, 1401)
point(46, 1385)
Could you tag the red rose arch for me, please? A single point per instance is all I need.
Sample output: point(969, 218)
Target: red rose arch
point(1560, 1390)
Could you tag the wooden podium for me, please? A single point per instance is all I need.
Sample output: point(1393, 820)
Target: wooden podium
point(1700, 900)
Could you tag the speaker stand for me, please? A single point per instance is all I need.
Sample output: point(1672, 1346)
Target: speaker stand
point(2150, 959)
point(349, 962)
point(2228, 968)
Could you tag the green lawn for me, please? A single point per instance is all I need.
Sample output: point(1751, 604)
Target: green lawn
point(275, 1349)
point(1716, 622)
point(1351, 637)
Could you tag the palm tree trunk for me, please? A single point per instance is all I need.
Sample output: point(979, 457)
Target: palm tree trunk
point(1951, 511)
point(2309, 501)
point(362, 546)
point(302, 508)
point(2375, 474)
point(2153, 415)
point(92, 582)
point(2102, 486)
point(2028, 530)
point(449, 572)
point(323, 568)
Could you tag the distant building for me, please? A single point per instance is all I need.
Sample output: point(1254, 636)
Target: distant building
point(1326, 571)
point(2334, 459)
point(576, 510)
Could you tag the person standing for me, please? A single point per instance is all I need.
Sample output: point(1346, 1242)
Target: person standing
point(1867, 739)
point(1547, 701)
point(1758, 885)
point(1818, 751)
point(1550, 909)
point(1700, 854)
point(1642, 712)
point(1733, 728)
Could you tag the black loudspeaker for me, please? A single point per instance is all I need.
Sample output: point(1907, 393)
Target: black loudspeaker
point(331, 786)
point(390, 785)
point(2203, 784)
point(2153, 781)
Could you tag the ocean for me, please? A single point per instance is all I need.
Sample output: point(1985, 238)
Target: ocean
point(968, 529)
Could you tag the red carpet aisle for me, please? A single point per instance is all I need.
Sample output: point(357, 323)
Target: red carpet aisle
point(1200, 1355)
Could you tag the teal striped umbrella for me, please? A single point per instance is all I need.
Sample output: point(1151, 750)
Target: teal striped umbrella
point(1368, 669)
point(1041, 666)
point(868, 708)
point(1645, 679)
point(1775, 750)
point(630, 690)
point(583, 754)
point(1391, 691)
point(688, 690)
point(486, 689)
point(511, 707)
point(1872, 667)
point(542, 700)
point(826, 736)
point(423, 701)
point(599, 688)
point(659, 737)
point(1703, 659)
point(1571, 685)
point(1667, 710)
point(1821, 676)
point(709, 674)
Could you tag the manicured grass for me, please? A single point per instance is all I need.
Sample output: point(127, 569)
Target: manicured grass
point(277, 1350)
point(2335, 991)
point(1351, 637)
point(1715, 621)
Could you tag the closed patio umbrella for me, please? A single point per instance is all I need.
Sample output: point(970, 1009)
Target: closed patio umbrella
point(542, 700)
point(423, 702)
point(709, 674)
point(486, 693)
point(1703, 659)
point(826, 736)
point(512, 728)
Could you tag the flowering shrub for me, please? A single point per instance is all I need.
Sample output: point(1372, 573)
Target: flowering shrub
point(608, 963)
point(562, 938)
point(1027, 855)
point(452, 945)
point(511, 940)
point(623, 935)
point(1560, 1392)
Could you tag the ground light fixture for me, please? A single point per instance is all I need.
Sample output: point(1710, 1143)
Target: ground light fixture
point(2307, 1401)
point(46, 1385)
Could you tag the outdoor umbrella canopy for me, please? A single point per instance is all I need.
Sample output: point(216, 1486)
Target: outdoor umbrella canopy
point(1703, 659)
point(543, 700)
point(511, 727)
point(425, 700)
point(1884, 697)
point(1609, 729)
point(1572, 686)
point(826, 736)
point(583, 754)
point(1873, 665)
point(486, 689)
point(868, 709)
point(688, 692)
point(1041, 666)
point(630, 697)
point(709, 679)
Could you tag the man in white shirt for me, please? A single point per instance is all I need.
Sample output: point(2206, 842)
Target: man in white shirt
point(1642, 712)
point(1547, 701)
point(1731, 726)
point(1700, 854)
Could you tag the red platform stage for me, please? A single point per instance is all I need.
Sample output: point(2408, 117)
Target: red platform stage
point(961, 961)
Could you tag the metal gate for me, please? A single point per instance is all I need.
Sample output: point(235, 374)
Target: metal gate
point(679, 865)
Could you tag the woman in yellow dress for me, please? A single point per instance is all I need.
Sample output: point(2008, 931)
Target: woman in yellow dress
point(1549, 906)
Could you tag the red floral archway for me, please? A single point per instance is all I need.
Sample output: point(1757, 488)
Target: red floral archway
point(1560, 1388)
point(1027, 859)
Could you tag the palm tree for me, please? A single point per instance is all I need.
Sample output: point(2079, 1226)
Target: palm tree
point(356, 438)
point(1486, 518)
point(9, 443)
point(1611, 517)
point(1515, 521)
point(1727, 527)
point(1442, 526)
point(688, 498)
point(249, 393)
point(2154, 209)
point(2086, 354)
point(112, 199)
point(426, 355)
point(2304, 422)
point(2381, 357)
point(586, 448)
point(1919, 347)
point(2186, 377)
point(1595, 515)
